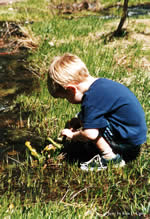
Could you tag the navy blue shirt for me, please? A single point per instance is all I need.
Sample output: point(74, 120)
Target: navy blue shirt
point(107, 100)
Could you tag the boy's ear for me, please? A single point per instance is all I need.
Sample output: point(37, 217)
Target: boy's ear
point(71, 88)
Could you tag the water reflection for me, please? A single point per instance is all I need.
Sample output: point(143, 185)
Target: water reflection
point(15, 78)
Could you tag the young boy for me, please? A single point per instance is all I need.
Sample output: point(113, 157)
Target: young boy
point(111, 116)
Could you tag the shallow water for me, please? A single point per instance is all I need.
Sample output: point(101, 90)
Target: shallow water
point(15, 78)
point(133, 11)
point(143, 9)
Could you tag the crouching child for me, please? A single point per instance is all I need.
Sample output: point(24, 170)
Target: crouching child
point(111, 116)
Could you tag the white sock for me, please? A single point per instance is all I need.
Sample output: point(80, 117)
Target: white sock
point(108, 155)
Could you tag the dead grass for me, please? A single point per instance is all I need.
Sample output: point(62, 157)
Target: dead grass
point(15, 37)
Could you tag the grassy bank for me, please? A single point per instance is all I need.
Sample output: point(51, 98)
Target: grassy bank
point(60, 189)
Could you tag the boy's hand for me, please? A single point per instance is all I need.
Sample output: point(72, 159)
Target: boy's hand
point(74, 135)
point(68, 133)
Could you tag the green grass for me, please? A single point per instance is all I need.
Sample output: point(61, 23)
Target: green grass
point(61, 190)
point(66, 192)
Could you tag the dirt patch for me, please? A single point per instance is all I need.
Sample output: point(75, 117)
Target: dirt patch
point(144, 38)
point(138, 31)
point(141, 32)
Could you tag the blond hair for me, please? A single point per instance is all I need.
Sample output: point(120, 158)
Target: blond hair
point(67, 69)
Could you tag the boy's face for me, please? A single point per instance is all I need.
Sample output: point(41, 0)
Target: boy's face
point(71, 93)
point(54, 89)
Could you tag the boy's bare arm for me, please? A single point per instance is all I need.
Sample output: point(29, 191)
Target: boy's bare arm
point(81, 135)
point(88, 135)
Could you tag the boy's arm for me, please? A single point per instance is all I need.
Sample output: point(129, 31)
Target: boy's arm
point(89, 134)
point(81, 135)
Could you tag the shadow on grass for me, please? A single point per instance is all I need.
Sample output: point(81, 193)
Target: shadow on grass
point(79, 151)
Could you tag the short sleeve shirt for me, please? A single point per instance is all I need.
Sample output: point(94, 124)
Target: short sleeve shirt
point(109, 101)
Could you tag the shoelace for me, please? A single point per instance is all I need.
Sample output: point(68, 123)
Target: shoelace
point(97, 160)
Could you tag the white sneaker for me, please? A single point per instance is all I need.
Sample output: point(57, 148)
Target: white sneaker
point(98, 163)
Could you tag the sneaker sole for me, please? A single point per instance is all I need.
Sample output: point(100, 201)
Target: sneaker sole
point(121, 164)
point(85, 168)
